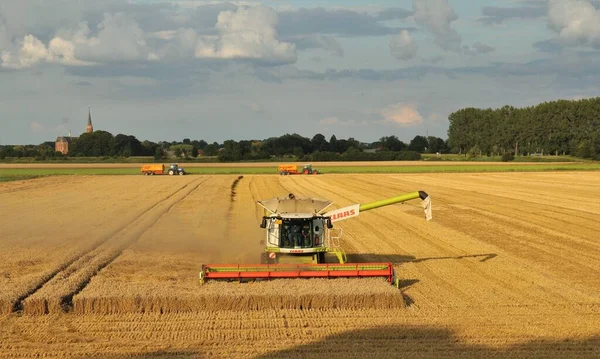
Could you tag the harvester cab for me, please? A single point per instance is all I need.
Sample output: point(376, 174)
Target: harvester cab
point(299, 234)
point(295, 226)
point(174, 169)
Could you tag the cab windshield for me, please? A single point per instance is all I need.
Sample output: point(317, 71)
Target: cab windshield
point(296, 234)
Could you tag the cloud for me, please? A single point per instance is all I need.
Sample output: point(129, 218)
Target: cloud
point(255, 108)
point(549, 46)
point(401, 114)
point(576, 22)
point(393, 14)
point(248, 33)
point(327, 43)
point(116, 32)
point(329, 121)
point(496, 15)
point(403, 47)
point(437, 17)
point(30, 52)
point(336, 122)
point(119, 39)
point(5, 38)
point(36, 127)
point(482, 48)
point(340, 22)
point(434, 59)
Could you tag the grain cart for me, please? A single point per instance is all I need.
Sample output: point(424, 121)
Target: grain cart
point(299, 235)
point(150, 170)
point(285, 170)
point(154, 169)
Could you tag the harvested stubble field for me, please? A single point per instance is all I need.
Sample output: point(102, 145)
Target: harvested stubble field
point(510, 266)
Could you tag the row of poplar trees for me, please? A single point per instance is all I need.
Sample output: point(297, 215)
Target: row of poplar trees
point(558, 128)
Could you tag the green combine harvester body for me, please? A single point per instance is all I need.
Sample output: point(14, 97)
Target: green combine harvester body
point(300, 237)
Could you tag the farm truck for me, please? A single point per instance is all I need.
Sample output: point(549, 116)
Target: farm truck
point(299, 235)
point(295, 170)
point(150, 170)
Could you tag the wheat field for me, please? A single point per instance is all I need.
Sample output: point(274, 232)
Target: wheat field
point(107, 266)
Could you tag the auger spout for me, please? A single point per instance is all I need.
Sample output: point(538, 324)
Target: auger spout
point(354, 210)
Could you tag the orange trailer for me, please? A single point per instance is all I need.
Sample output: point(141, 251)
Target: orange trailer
point(150, 170)
point(289, 169)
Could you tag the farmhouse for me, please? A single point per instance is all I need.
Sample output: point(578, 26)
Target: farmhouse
point(62, 142)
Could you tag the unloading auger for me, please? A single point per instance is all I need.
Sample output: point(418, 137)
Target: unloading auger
point(300, 235)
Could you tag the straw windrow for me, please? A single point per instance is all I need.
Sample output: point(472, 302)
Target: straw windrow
point(304, 294)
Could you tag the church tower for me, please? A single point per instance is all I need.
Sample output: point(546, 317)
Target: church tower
point(90, 127)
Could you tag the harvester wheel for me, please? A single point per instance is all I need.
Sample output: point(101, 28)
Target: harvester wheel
point(321, 257)
point(171, 172)
point(181, 173)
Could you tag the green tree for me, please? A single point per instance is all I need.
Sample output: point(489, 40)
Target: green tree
point(159, 153)
point(392, 143)
point(333, 144)
point(418, 144)
point(319, 143)
point(211, 149)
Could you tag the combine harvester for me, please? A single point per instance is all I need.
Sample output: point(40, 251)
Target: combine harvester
point(299, 238)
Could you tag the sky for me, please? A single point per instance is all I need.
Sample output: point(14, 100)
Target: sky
point(219, 70)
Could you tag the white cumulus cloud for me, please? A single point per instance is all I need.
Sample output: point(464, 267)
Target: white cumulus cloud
point(30, 52)
point(576, 22)
point(405, 115)
point(248, 33)
point(437, 17)
point(403, 47)
point(119, 38)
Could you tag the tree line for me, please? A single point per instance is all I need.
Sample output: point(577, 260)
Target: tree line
point(558, 127)
point(317, 148)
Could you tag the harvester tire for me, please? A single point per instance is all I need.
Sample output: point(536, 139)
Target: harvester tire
point(171, 172)
point(321, 257)
point(181, 173)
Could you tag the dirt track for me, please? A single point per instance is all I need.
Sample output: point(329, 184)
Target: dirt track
point(510, 265)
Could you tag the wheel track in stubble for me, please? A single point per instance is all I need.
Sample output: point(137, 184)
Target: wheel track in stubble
point(54, 293)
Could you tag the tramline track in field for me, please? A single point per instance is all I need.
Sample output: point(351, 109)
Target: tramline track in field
point(56, 292)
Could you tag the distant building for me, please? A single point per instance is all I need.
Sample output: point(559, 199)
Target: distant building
point(89, 128)
point(62, 142)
